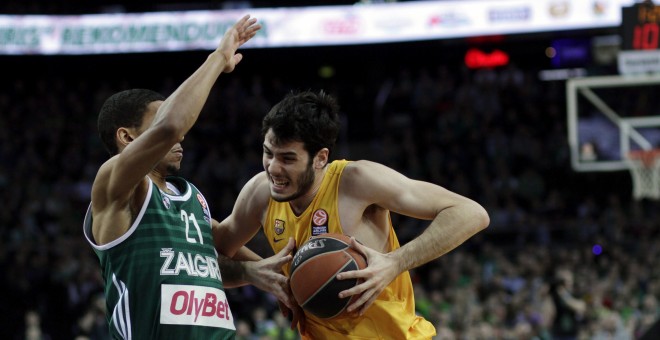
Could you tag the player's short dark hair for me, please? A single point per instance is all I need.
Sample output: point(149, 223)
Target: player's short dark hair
point(308, 117)
point(123, 109)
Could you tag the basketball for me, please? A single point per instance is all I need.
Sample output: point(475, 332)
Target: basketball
point(314, 268)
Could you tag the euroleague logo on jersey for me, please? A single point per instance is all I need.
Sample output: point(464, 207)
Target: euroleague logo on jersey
point(320, 217)
point(319, 222)
point(205, 208)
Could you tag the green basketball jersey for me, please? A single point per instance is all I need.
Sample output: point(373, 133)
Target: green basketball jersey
point(162, 279)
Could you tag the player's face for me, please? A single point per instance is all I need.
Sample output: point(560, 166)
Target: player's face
point(289, 169)
point(171, 163)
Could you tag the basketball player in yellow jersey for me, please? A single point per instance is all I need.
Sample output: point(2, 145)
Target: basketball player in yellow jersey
point(302, 194)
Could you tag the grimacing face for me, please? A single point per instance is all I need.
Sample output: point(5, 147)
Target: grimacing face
point(289, 169)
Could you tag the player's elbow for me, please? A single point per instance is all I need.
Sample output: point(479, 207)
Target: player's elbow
point(480, 216)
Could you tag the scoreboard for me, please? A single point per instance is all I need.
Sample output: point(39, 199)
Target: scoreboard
point(640, 25)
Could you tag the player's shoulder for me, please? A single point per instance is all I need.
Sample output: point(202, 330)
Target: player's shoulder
point(257, 189)
point(360, 168)
point(108, 165)
point(367, 178)
point(105, 187)
point(103, 175)
point(257, 182)
point(356, 173)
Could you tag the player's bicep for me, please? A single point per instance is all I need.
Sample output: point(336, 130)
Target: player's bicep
point(244, 221)
point(392, 190)
point(233, 233)
point(421, 200)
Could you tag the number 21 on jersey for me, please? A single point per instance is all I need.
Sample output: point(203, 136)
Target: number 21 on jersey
point(188, 219)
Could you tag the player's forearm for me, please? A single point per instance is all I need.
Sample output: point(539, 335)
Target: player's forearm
point(245, 254)
point(181, 109)
point(448, 230)
point(234, 270)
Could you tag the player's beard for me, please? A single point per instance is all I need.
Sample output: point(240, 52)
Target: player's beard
point(172, 170)
point(304, 182)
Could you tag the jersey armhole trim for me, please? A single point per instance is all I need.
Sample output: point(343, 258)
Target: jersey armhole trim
point(128, 233)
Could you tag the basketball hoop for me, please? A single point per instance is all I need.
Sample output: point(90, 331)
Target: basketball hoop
point(644, 168)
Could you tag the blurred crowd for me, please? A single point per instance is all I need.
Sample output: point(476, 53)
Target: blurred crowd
point(497, 136)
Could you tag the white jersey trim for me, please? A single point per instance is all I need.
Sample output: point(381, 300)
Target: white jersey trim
point(121, 315)
point(179, 197)
point(87, 223)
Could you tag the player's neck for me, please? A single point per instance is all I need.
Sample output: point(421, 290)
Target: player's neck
point(159, 180)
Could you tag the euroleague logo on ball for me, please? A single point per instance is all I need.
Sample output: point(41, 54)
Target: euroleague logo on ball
point(320, 217)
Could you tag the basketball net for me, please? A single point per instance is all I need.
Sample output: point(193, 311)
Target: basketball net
point(645, 171)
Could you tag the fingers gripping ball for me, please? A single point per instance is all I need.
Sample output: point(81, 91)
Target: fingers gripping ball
point(313, 274)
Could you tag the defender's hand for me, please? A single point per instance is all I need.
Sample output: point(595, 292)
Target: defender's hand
point(297, 316)
point(235, 37)
point(267, 274)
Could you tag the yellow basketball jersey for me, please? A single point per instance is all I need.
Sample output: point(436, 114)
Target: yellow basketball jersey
point(392, 315)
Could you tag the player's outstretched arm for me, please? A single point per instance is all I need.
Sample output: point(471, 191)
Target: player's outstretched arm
point(175, 116)
point(120, 182)
point(454, 219)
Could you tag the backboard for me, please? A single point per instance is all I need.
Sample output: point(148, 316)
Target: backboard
point(609, 116)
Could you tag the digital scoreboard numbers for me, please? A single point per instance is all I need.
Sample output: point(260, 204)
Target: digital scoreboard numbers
point(640, 26)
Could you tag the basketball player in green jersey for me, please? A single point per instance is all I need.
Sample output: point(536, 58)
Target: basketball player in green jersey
point(151, 231)
point(302, 194)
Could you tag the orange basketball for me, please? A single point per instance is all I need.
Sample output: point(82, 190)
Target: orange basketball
point(313, 274)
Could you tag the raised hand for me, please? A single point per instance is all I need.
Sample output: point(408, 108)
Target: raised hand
point(380, 271)
point(242, 31)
